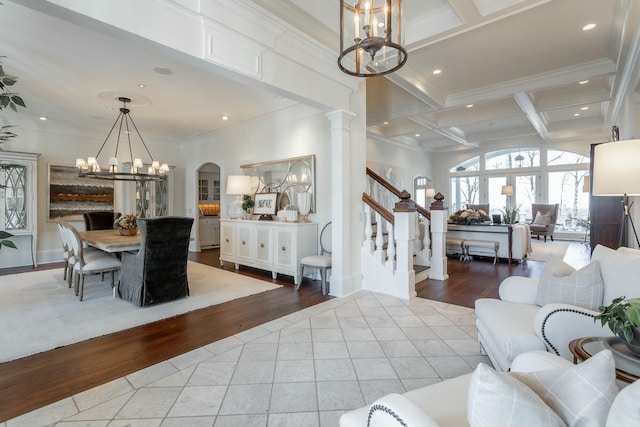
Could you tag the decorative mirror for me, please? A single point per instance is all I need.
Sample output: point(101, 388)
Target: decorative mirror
point(294, 179)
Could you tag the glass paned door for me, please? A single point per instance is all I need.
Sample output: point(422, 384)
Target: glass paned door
point(497, 201)
point(464, 191)
point(566, 188)
point(524, 189)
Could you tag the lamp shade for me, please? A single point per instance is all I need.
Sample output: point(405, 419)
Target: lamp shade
point(507, 190)
point(616, 171)
point(238, 184)
point(430, 192)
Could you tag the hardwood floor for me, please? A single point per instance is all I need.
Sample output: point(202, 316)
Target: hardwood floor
point(35, 381)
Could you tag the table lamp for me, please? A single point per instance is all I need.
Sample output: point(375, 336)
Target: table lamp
point(238, 185)
point(616, 173)
point(430, 192)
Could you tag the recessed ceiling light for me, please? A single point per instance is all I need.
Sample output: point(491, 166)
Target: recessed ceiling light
point(588, 27)
point(109, 108)
point(469, 105)
point(584, 108)
point(437, 71)
point(165, 71)
point(417, 135)
point(385, 123)
point(225, 118)
point(576, 115)
point(583, 82)
point(43, 118)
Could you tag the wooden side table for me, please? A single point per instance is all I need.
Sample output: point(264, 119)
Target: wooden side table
point(627, 369)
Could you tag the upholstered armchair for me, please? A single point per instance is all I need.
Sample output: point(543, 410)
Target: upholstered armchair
point(544, 220)
point(99, 220)
point(158, 272)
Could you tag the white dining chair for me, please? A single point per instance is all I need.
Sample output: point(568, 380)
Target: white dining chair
point(322, 261)
point(94, 263)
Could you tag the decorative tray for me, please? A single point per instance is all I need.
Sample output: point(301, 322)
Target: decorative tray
point(616, 345)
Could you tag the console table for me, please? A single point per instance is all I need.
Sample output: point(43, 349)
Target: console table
point(502, 234)
point(276, 246)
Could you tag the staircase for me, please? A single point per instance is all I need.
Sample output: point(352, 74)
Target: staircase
point(396, 248)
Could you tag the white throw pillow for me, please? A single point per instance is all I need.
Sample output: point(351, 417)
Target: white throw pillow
point(625, 411)
point(542, 218)
point(582, 394)
point(560, 283)
point(497, 399)
point(620, 271)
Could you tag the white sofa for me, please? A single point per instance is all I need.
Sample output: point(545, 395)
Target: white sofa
point(445, 404)
point(514, 324)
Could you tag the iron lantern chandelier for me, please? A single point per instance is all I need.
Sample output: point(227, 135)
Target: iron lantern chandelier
point(135, 169)
point(369, 43)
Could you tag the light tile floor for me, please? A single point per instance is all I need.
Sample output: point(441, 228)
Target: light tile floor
point(302, 370)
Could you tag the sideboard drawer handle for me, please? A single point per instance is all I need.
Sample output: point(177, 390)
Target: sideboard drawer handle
point(243, 242)
point(284, 248)
point(262, 245)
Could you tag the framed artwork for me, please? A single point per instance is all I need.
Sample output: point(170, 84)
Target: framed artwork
point(70, 196)
point(265, 203)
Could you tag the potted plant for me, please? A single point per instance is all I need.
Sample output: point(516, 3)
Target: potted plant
point(248, 204)
point(511, 215)
point(127, 225)
point(622, 316)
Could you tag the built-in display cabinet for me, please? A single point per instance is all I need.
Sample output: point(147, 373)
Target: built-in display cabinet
point(269, 245)
point(18, 215)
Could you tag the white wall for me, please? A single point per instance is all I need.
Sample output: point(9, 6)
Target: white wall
point(406, 163)
point(293, 132)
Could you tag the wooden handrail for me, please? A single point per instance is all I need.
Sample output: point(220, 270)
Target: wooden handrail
point(378, 207)
point(386, 184)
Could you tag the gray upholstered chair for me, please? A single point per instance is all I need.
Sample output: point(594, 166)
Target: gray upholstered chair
point(544, 220)
point(158, 271)
point(99, 220)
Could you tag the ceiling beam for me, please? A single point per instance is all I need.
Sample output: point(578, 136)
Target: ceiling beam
point(530, 110)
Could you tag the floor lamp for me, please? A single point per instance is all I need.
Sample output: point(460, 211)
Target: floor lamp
point(616, 173)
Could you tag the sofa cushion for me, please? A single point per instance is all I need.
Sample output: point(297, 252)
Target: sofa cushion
point(625, 410)
point(560, 283)
point(581, 394)
point(501, 400)
point(620, 270)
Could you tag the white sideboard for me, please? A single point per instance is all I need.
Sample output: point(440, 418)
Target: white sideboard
point(209, 231)
point(269, 245)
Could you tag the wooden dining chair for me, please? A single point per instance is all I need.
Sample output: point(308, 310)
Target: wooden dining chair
point(94, 263)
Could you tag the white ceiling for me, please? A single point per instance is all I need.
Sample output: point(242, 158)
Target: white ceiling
point(518, 62)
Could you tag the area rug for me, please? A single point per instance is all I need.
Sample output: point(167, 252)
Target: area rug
point(38, 312)
point(543, 250)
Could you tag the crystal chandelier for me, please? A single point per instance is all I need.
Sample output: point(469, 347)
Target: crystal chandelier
point(134, 170)
point(369, 43)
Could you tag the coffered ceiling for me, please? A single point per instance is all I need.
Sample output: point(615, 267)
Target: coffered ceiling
point(510, 72)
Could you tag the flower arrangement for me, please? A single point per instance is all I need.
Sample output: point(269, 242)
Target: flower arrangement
point(469, 216)
point(126, 222)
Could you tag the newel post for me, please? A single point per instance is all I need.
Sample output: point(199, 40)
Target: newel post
point(405, 232)
point(438, 270)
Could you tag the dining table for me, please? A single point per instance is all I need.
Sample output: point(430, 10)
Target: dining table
point(110, 240)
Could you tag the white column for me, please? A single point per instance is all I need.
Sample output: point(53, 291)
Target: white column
point(405, 231)
point(341, 257)
point(438, 270)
